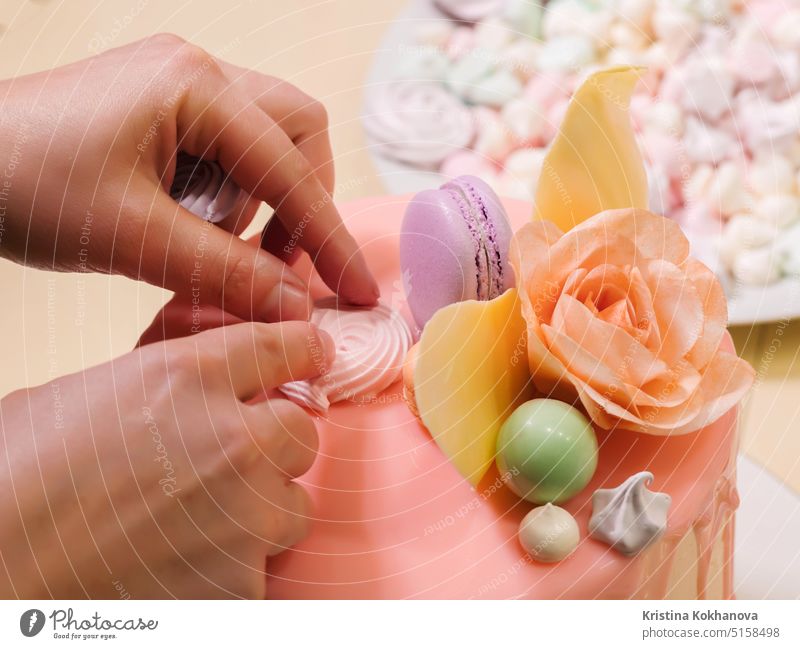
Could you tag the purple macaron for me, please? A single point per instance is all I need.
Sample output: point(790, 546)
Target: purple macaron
point(454, 247)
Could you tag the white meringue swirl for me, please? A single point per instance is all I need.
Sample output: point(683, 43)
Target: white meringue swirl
point(629, 517)
point(417, 122)
point(371, 346)
point(202, 187)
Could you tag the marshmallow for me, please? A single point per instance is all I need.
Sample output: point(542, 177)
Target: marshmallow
point(751, 57)
point(496, 90)
point(524, 16)
point(422, 63)
point(468, 163)
point(765, 123)
point(435, 33)
point(628, 37)
point(704, 143)
point(727, 192)
point(707, 87)
point(770, 174)
point(525, 164)
point(470, 70)
point(780, 210)
point(789, 249)
point(636, 13)
point(665, 117)
point(576, 18)
point(675, 27)
point(744, 232)
point(758, 267)
point(493, 35)
point(520, 58)
point(786, 31)
point(461, 43)
point(566, 54)
point(525, 119)
point(494, 139)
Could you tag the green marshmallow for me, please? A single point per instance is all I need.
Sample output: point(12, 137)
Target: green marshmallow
point(547, 450)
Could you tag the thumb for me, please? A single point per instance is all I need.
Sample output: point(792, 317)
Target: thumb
point(205, 264)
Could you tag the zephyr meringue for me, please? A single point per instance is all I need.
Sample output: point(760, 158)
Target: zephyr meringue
point(629, 517)
point(549, 533)
point(371, 346)
point(417, 122)
point(202, 187)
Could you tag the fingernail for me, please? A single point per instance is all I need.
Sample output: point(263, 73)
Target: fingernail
point(286, 302)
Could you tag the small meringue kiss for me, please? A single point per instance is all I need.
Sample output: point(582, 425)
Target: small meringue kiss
point(629, 517)
point(549, 533)
point(371, 346)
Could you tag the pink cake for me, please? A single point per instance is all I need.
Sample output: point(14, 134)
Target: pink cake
point(395, 519)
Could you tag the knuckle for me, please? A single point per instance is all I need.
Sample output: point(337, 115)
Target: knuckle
point(317, 114)
point(237, 276)
point(167, 40)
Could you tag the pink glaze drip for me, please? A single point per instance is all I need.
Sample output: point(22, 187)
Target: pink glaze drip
point(393, 518)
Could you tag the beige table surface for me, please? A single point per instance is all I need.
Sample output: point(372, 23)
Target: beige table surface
point(54, 324)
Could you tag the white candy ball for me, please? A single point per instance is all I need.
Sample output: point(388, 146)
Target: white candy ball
point(549, 533)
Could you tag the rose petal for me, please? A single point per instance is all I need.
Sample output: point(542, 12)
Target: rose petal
point(645, 315)
point(726, 380)
point(655, 420)
point(585, 367)
point(630, 361)
point(678, 309)
point(656, 237)
point(715, 309)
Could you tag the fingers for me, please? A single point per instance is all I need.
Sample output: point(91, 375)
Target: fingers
point(255, 357)
point(216, 121)
point(180, 317)
point(287, 436)
point(278, 242)
point(296, 520)
point(204, 263)
point(302, 117)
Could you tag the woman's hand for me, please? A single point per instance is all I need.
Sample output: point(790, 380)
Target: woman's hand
point(156, 473)
point(89, 150)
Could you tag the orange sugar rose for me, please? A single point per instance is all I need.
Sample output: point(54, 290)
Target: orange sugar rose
point(620, 316)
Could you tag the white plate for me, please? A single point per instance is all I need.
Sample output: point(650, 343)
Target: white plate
point(747, 305)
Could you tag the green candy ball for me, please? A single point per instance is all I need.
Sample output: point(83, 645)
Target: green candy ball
point(547, 451)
